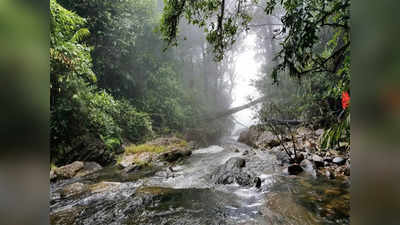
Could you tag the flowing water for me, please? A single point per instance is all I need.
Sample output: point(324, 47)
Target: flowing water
point(187, 194)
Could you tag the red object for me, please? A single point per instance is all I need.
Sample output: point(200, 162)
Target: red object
point(345, 99)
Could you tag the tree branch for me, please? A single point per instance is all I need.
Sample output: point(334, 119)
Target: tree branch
point(265, 24)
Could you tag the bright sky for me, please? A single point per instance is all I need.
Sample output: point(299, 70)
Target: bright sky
point(246, 68)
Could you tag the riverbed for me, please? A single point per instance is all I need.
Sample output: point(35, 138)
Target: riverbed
point(185, 193)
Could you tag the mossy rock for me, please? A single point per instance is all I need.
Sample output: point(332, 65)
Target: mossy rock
point(166, 149)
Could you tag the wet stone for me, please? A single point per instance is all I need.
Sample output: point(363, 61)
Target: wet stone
point(73, 189)
point(308, 167)
point(328, 159)
point(300, 157)
point(173, 156)
point(257, 182)
point(126, 161)
point(319, 132)
point(132, 168)
point(318, 160)
point(339, 160)
point(235, 162)
point(53, 175)
point(68, 171)
point(329, 174)
point(294, 169)
point(103, 186)
point(232, 172)
point(158, 199)
point(88, 168)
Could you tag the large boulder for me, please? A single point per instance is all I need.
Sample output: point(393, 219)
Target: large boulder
point(161, 149)
point(142, 158)
point(249, 137)
point(75, 169)
point(267, 139)
point(176, 148)
point(126, 161)
point(68, 171)
point(175, 154)
point(232, 172)
point(88, 168)
point(88, 147)
point(132, 168)
point(234, 163)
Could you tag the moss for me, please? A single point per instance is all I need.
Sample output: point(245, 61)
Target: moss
point(179, 144)
point(156, 146)
point(53, 166)
point(142, 163)
point(182, 143)
point(132, 149)
point(155, 190)
point(119, 158)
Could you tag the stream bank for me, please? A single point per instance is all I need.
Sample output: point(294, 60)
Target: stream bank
point(300, 151)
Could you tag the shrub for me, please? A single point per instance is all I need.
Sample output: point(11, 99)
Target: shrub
point(136, 126)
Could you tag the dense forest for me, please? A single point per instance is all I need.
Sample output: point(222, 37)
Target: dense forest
point(111, 81)
point(120, 71)
point(142, 97)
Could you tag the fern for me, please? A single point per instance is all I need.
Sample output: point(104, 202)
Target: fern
point(80, 35)
point(334, 135)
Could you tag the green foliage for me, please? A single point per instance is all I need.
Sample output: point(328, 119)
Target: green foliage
point(164, 100)
point(315, 48)
point(125, 50)
point(221, 24)
point(303, 23)
point(136, 126)
point(80, 113)
point(338, 132)
point(117, 28)
point(136, 69)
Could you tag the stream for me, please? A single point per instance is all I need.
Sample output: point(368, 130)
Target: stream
point(186, 194)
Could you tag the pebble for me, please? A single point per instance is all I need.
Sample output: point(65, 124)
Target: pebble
point(257, 181)
point(339, 160)
point(294, 169)
point(318, 160)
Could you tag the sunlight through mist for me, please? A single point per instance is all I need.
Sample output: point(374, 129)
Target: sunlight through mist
point(246, 68)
